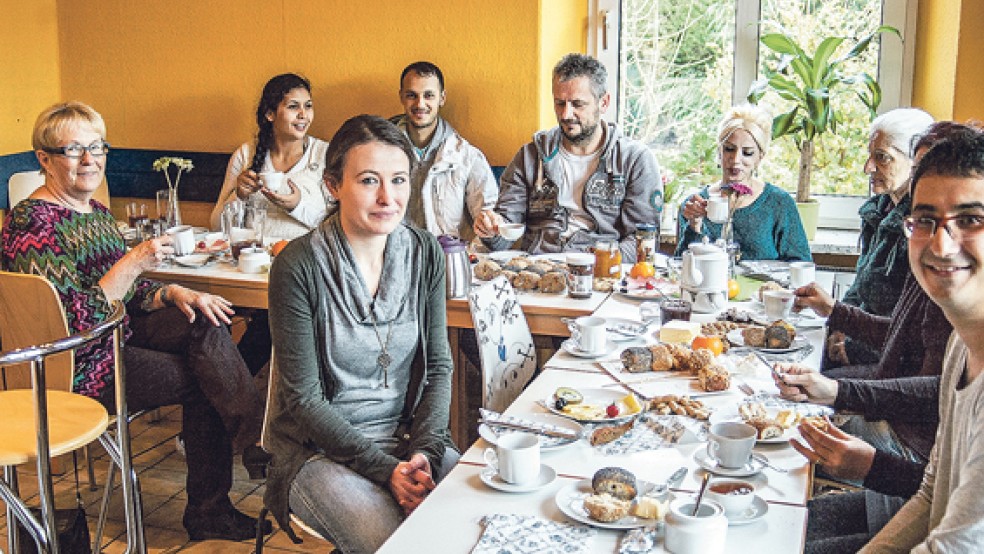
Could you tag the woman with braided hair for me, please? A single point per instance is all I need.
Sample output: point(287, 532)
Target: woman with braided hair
point(284, 116)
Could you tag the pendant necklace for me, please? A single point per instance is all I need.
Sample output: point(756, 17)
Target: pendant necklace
point(384, 359)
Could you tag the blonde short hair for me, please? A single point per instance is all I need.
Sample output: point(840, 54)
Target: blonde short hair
point(755, 120)
point(56, 119)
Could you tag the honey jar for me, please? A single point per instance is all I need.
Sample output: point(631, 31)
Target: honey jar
point(608, 260)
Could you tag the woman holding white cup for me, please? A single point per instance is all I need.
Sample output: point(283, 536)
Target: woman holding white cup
point(282, 170)
point(766, 224)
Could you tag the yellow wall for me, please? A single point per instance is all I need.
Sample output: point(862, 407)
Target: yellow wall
point(29, 74)
point(947, 80)
point(186, 74)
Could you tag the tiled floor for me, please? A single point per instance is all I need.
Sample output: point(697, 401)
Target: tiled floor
point(162, 475)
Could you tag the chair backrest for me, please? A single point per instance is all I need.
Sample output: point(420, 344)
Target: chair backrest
point(505, 344)
point(22, 184)
point(31, 313)
point(271, 396)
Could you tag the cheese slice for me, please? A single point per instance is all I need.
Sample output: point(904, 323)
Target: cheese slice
point(679, 331)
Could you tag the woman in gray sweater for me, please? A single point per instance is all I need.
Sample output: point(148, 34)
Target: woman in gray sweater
point(359, 413)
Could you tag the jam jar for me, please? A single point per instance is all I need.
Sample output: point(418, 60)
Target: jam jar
point(646, 242)
point(580, 275)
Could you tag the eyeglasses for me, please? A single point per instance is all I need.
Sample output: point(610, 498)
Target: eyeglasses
point(925, 227)
point(76, 150)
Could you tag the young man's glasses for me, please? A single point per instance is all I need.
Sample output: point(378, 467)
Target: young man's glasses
point(76, 150)
point(925, 227)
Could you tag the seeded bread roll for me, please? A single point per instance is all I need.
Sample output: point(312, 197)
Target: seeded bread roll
point(526, 280)
point(553, 281)
point(487, 270)
point(616, 481)
point(605, 507)
point(754, 336)
point(767, 428)
point(778, 335)
point(637, 359)
point(662, 359)
point(714, 378)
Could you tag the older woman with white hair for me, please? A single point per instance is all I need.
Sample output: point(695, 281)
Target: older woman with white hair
point(766, 224)
point(883, 264)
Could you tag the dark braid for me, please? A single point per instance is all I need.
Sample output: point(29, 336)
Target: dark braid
point(273, 93)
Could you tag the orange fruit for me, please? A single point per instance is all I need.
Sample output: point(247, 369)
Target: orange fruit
point(734, 289)
point(642, 270)
point(714, 344)
point(278, 247)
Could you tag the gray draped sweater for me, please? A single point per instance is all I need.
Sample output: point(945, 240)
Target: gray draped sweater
point(325, 357)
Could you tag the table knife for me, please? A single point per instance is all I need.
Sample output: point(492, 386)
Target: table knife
point(559, 434)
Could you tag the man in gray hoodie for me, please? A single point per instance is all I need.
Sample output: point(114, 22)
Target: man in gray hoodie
point(580, 182)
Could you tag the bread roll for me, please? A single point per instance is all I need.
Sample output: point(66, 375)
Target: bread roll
point(637, 359)
point(553, 281)
point(662, 360)
point(616, 481)
point(605, 508)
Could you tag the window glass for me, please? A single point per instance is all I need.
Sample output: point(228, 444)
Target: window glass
point(676, 70)
point(838, 159)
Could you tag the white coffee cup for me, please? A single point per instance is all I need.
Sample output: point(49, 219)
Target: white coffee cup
point(511, 231)
point(592, 334)
point(778, 304)
point(184, 239)
point(734, 495)
point(717, 208)
point(802, 273)
point(731, 444)
point(703, 533)
point(253, 260)
point(274, 181)
point(516, 458)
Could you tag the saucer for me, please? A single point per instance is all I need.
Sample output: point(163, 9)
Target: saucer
point(491, 478)
point(710, 464)
point(753, 513)
point(192, 260)
point(572, 349)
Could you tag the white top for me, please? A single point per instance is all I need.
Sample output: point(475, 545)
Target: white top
point(947, 514)
point(306, 175)
point(570, 193)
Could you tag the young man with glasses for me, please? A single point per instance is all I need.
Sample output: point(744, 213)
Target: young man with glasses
point(946, 252)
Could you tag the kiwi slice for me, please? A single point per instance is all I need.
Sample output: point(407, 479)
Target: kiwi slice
point(569, 395)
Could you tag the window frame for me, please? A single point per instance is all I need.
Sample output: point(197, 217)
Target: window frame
point(895, 69)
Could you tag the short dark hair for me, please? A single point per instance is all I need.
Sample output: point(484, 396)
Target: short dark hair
point(576, 65)
point(958, 151)
point(362, 129)
point(424, 69)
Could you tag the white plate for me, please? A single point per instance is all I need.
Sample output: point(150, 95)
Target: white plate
point(572, 349)
point(570, 500)
point(491, 478)
point(546, 443)
point(753, 513)
point(802, 320)
point(709, 464)
point(554, 258)
point(731, 414)
point(192, 260)
point(596, 397)
point(799, 342)
point(503, 256)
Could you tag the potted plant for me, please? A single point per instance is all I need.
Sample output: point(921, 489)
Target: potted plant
point(810, 81)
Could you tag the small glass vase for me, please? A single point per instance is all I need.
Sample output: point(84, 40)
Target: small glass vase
point(727, 241)
point(168, 207)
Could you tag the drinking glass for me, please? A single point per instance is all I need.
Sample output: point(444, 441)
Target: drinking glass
point(242, 225)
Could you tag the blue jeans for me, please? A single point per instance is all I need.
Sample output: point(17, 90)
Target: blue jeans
point(354, 513)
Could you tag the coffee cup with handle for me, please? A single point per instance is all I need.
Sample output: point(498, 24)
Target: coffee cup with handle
point(778, 304)
point(717, 208)
point(184, 239)
point(516, 458)
point(731, 443)
point(802, 273)
point(273, 181)
point(592, 334)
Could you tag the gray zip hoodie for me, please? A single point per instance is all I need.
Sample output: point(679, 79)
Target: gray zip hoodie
point(624, 190)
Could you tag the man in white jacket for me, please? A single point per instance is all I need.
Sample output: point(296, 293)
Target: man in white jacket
point(452, 181)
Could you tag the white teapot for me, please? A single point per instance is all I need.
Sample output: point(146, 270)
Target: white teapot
point(705, 268)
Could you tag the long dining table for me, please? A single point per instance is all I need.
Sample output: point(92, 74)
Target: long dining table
point(451, 519)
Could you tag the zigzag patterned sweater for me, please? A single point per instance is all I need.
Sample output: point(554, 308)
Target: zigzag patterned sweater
point(73, 251)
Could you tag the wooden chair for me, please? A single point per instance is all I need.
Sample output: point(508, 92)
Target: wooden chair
point(31, 313)
point(40, 423)
point(506, 350)
point(23, 183)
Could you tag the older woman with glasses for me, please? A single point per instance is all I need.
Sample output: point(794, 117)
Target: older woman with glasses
point(178, 349)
